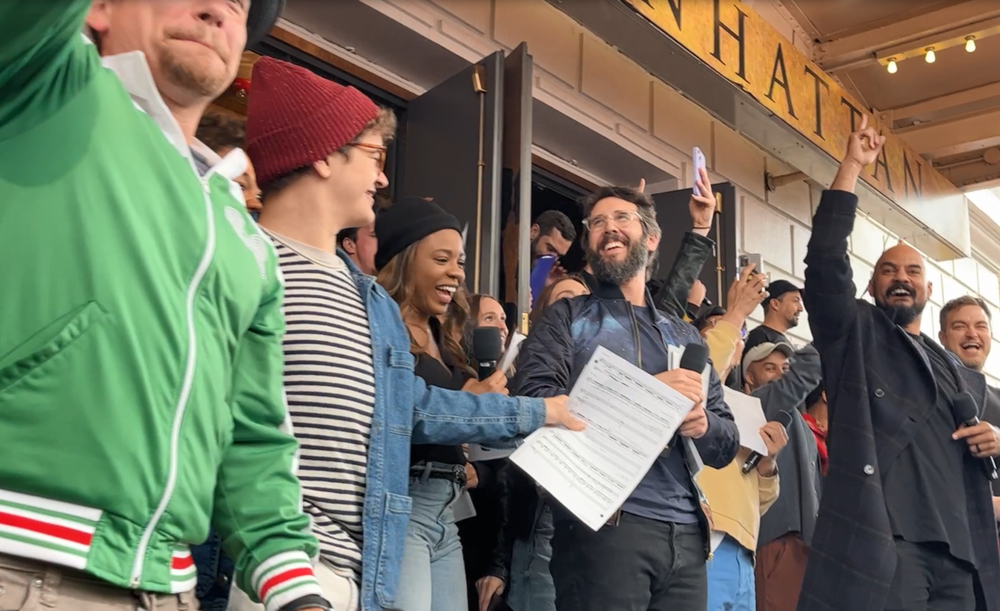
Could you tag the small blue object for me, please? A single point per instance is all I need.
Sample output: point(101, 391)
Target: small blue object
point(540, 273)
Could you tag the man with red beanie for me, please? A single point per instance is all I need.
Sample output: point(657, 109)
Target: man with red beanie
point(319, 149)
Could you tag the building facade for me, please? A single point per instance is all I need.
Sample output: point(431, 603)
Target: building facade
point(601, 115)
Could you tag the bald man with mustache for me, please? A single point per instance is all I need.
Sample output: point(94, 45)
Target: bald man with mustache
point(906, 519)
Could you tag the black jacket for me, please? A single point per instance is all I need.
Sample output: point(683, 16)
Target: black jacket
point(519, 494)
point(878, 385)
point(570, 330)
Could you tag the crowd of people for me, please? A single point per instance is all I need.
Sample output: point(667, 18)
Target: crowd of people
point(244, 380)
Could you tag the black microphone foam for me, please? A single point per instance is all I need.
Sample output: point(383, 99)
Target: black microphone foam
point(487, 346)
point(964, 409)
point(786, 419)
point(966, 413)
point(695, 357)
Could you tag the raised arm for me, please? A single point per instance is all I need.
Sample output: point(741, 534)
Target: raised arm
point(789, 392)
point(42, 57)
point(695, 250)
point(830, 292)
point(745, 294)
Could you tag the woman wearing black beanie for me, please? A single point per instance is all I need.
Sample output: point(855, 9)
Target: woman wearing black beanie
point(421, 264)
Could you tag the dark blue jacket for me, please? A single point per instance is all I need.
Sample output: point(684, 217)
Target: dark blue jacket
point(570, 330)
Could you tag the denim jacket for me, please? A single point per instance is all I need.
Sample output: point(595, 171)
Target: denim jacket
point(407, 411)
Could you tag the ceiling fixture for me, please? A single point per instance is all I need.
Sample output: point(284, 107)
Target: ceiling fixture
point(970, 43)
point(930, 57)
point(891, 66)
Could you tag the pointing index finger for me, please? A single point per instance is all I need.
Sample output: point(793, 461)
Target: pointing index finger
point(966, 431)
point(864, 122)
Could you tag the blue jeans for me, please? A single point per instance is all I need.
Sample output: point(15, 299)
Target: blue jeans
point(730, 578)
point(531, 587)
point(432, 575)
point(215, 574)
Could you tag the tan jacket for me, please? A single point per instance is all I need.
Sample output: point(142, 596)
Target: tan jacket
point(737, 501)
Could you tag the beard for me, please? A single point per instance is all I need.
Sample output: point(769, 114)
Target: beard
point(900, 315)
point(793, 321)
point(193, 74)
point(617, 272)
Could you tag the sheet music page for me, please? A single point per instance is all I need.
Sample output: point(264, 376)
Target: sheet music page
point(749, 417)
point(630, 417)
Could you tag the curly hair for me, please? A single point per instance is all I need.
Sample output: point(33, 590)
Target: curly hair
point(397, 279)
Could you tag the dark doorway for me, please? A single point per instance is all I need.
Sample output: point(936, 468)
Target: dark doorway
point(550, 192)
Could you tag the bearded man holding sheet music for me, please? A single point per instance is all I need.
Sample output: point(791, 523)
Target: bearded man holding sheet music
point(651, 555)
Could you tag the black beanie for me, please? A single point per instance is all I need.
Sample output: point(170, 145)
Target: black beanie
point(406, 222)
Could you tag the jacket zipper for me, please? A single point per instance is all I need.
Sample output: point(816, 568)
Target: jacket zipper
point(616, 518)
point(189, 371)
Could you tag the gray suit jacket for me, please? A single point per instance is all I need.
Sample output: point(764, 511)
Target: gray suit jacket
point(798, 464)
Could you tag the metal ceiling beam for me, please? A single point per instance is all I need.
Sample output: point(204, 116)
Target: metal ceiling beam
point(976, 174)
point(861, 47)
point(944, 102)
point(954, 136)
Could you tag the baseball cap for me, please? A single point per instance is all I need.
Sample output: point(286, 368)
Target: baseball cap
point(762, 351)
point(778, 288)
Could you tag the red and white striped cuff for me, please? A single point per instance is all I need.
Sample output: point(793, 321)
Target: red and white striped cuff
point(284, 578)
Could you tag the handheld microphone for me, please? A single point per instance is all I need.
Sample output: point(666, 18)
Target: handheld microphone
point(486, 349)
point(966, 412)
point(695, 357)
point(785, 418)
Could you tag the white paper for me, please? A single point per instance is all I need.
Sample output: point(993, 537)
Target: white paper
point(478, 453)
point(749, 417)
point(513, 348)
point(674, 354)
point(630, 417)
point(716, 539)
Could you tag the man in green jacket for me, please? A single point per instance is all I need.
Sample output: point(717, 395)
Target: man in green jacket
point(140, 320)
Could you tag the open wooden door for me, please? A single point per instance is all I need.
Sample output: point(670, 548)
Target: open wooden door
point(450, 151)
point(515, 207)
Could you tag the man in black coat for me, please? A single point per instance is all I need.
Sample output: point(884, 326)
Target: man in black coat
point(906, 519)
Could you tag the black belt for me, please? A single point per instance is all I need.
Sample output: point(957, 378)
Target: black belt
point(453, 473)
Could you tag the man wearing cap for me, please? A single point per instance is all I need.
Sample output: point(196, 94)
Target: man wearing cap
point(782, 379)
point(782, 308)
point(319, 150)
point(140, 353)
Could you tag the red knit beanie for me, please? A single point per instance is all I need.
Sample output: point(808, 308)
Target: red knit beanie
point(295, 118)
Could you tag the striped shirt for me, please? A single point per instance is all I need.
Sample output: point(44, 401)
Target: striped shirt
point(330, 383)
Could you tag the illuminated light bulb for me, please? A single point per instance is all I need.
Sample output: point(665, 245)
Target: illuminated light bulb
point(930, 57)
point(970, 43)
point(891, 66)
